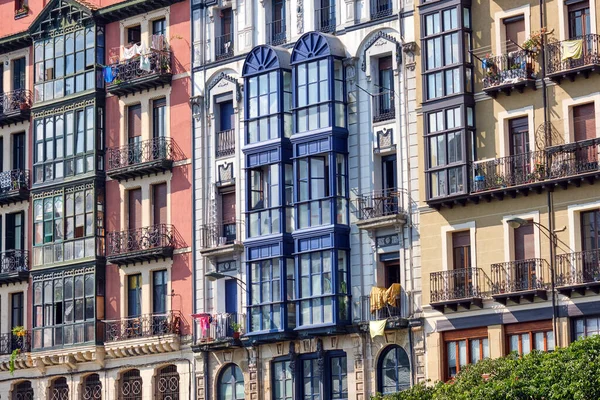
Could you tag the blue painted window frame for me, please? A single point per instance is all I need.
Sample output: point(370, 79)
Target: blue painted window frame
point(399, 361)
point(283, 380)
point(236, 372)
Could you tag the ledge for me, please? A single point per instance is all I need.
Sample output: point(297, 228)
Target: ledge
point(143, 346)
point(453, 305)
point(516, 297)
point(139, 170)
point(381, 222)
point(507, 88)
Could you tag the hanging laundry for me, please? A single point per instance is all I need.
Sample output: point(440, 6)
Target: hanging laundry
point(393, 293)
point(109, 74)
point(144, 58)
point(572, 49)
point(378, 298)
point(130, 52)
point(158, 42)
point(377, 328)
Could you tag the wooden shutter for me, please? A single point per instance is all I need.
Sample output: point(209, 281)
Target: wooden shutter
point(515, 32)
point(519, 135)
point(135, 208)
point(160, 203)
point(228, 207)
point(461, 243)
point(134, 121)
point(524, 242)
point(584, 122)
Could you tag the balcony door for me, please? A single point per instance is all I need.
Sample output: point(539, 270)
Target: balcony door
point(159, 203)
point(15, 233)
point(228, 217)
point(134, 133)
point(386, 85)
point(16, 310)
point(388, 184)
point(134, 295)
point(520, 165)
point(18, 151)
point(579, 19)
point(461, 257)
point(590, 244)
point(231, 304)
point(514, 29)
point(135, 209)
point(277, 28)
point(18, 73)
point(226, 39)
point(584, 128)
point(524, 273)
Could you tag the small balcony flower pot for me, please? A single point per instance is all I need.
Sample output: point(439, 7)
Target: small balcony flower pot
point(236, 335)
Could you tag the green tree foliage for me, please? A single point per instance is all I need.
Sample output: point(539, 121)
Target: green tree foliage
point(571, 373)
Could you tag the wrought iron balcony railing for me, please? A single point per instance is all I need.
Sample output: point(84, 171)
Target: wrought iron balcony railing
point(325, 19)
point(380, 203)
point(558, 63)
point(388, 311)
point(458, 284)
point(142, 244)
point(15, 106)
point(226, 143)
point(218, 327)
point(573, 158)
point(14, 185)
point(276, 33)
point(384, 108)
point(582, 267)
point(141, 158)
point(223, 46)
point(143, 326)
point(14, 262)
point(508, 171)
point(520, 276)
point(508, 69)
point(10, 342)
point(130, 77)
point(223, 234)
point(381, 8)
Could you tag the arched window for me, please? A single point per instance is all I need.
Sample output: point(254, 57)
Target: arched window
point(130, 387)
point(394, 370)
point(92, 388)
point(231, 384)
point(59, 389)
point(166, 383)
point(22, 391)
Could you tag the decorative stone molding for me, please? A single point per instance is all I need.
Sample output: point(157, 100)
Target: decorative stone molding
point(216, 81)
point(410, 49)
point(379, 39)
point(300, 17)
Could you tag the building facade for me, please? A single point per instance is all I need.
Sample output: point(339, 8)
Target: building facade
point(305, 198)
point(96, 151)
point(509, 213)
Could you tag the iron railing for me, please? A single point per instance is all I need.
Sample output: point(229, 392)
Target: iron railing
point(141, 326)
point(508, 171)
point(380, 203)
point(14, 261)
point(573, 158)
point(226, 143)
point(384, 106)
point(223, 46)
point(276, 33)
point(166, 383)
point(590, 54)
point(388, 311)
point(508, 68)
point(325, 19)
point(578, 268)
point(126, 71)
point(218, 327)
point(134, 240)
point(13, 181)
point(226, 233)
point(457, 284)
point(92, 387)
point(157, 149)
point(10, 342)
point(520, 276)
point(15, 101)
point(381, 8)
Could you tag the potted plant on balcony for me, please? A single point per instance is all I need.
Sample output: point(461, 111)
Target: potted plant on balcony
point(534, 42)
point(236, 327)
point(24, 9)
point(11, 361)
point(19, 331)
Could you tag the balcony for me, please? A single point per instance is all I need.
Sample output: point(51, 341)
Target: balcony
point(585, 60)
point(14, 266)
point(578, 272)
point(216, 331)
point(225, 143)
point(464, 287)
point(130, 78)
point(14, 186)
point(383, 106)
point(144, 334)
point(10, 342)
point(15, 106)
point(140, 159)
point(508, 72)
point(221, 239)
point(223, 47)
point(325, 19)
point(381, 209)
point(392, 312)
point(276, 33)
point(381, 9)
point(139, 245)
point(518, 280)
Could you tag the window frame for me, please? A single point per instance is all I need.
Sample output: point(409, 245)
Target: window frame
point(234, 382)
point(395, 349)
point(17, 309)
point(467, 335)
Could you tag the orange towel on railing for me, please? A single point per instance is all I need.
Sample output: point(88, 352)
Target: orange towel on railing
point(378, 298)
point(392, 294)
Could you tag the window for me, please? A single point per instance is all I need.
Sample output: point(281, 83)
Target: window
point(135, 208)
point(159, 123)
point(265, 105)
point(224, 40)
point(339, 378)
point(265, 195)
point(283, 383)
point(159, 292)
point(20, 5)
point(159, 203)
point(166, 383)
point(92, 387)
point(524, 343)
point(384, 105)
point(514, 29)
point(460, 353)
point(134, 295)
point(585, 327)
point(584, 122)
point(15, 234)
point(134, 133)
point(590, 236)
point(64, 227)
point(134, 34)
point(19, 71)
point(519, 136)
point(64, 311)
point(394, 370)
point(22, 390)
point(159, 27)
point(64, 145)
point(16, 307)
point(130, 385)
point(579, 19)
point(18, 151)
point(276, 29)
point(461, 250)
point(230, 385)
point(271, 283)
point(59, 388)
point(226, 115)
point(65, 64)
